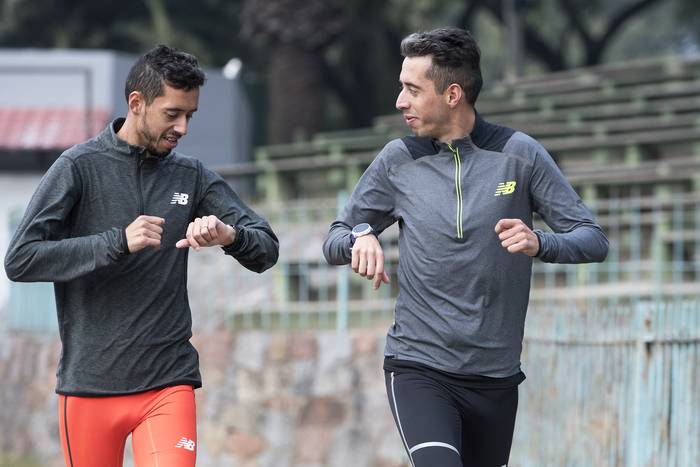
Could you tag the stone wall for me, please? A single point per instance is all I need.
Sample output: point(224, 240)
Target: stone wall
point(605, 388)
point(295, 399)
point(302, 399)
point(29, 415)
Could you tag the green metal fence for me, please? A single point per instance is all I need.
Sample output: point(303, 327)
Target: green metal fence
point(32, 306)
point(654, 256)
point(611, 387)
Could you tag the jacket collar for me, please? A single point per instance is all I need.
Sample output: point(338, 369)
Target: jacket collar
point(109, 138)
point(465, 143)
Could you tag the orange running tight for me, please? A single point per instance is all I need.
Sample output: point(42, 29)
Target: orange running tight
point(162, 424)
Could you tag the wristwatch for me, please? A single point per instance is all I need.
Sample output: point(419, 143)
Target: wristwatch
point(360, 230)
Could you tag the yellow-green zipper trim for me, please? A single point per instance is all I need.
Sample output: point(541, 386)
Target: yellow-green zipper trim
point(458, 189)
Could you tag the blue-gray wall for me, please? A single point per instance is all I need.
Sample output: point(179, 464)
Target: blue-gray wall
point(49, 79)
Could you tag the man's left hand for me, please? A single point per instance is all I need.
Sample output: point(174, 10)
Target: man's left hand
point(516, 237)
point(207, 231)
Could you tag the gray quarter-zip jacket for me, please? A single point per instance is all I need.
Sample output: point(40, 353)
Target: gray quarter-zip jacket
point(124, 319)
point(462, 297)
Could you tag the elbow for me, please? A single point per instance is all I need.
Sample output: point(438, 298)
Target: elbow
point(12, 268)
point(331, 259)
point(327, 253)
point(264, 262)
point(256, 252)
point(597, 247)
point(602, 252)
point(272, 257)
point(597, 251)
point(12, 274)
point(269, 258)
point(336, 245)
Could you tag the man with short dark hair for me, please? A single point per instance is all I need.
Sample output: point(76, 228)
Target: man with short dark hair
point(111, 224)
point(463, 192)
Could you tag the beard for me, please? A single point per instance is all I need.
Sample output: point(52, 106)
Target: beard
point(151, 140)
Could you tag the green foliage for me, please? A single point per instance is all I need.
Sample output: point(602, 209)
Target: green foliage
point(356, 40)
point(207, 28)
point(657, 33)
point(9, 460)
point(688, 17)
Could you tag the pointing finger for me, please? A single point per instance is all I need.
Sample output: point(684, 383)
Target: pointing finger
point(504, 224)
point(190, 236)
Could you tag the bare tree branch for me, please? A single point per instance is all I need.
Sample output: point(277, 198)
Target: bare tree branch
point(465, 20)
point(593, 56)
point(553, 55)
point(576, 21)
point(535, 44)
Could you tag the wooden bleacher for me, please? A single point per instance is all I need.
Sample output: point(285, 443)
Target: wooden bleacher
point(638, 117)
point(627, 136)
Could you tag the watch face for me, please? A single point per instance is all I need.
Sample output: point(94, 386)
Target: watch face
point(361, 229)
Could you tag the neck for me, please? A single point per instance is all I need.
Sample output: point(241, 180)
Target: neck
point(461, 124)
point(128, 131)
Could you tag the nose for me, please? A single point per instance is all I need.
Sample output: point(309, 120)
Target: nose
point(401, 102)
point(181, 126)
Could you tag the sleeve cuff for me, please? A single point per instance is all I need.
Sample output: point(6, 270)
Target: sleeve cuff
point(237, 242)
point(124, 243)
point(541, 240)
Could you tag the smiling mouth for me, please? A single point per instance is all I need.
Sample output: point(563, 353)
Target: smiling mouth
point(171, 141)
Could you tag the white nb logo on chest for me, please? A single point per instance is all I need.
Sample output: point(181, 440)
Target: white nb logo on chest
point(180, 198)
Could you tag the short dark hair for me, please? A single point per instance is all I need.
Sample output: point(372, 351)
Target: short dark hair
point(455, 58)
point(163, 65)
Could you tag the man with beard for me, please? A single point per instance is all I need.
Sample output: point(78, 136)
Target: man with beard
point(111, 224)
point(463, 192)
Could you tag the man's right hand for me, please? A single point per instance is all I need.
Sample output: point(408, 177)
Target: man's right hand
point(368, 260)
point(145, 231)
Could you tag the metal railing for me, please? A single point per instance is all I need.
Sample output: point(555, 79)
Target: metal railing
point(654, 255)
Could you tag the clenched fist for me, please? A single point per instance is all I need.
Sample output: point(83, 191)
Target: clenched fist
point(144, 232)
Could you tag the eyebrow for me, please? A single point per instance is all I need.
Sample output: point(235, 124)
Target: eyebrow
point(178, 109)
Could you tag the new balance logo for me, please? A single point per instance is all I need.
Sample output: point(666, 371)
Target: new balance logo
point(180, 198)
point(505, 188)
point(185, 444)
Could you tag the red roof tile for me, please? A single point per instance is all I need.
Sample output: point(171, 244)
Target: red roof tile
point(48, 128)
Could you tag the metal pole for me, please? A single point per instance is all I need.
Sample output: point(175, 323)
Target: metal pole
point(342, 284)
point(88, 103)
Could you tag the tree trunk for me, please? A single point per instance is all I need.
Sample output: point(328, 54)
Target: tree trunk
point(295, 93)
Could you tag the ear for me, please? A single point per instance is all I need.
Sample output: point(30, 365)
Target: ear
point(454, 94)
point(136, 102)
